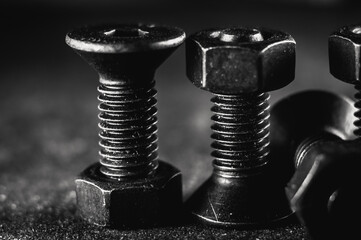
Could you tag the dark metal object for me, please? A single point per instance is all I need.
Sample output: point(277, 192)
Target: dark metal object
point(344, 59)
point(321, 191)
point(239, 65)
point(129, 186)
point(312, 128)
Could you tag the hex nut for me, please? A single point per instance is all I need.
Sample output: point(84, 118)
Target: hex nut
point(240, 60)
point(146, 201)
point(344, 53)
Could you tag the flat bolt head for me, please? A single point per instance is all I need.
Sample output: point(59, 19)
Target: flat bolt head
point(239, 202)
point(344, 53)
point(240, 60)
point(119, 50)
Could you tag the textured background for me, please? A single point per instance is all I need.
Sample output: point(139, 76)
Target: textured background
point(48, 120)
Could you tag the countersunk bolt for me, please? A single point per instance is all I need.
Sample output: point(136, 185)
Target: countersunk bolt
point(239, 65)
point(129, 186)
point(315, 130)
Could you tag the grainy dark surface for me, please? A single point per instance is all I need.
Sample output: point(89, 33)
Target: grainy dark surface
point(49, 137)
point(48, 120)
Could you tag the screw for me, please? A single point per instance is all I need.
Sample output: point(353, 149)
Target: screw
point(321, 191)
point(344, 59)
point(345, 62)
point(239, 65)
point(129, 186)
point(316, 129)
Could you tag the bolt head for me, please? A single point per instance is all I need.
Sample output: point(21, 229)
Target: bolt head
point(239, 202)
point(240, 60)
point(344, 53)
point(128, 203)
point(120, 51)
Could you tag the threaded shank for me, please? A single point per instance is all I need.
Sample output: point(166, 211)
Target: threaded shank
point(241, 133)
point(357, 123)
point(128, 129)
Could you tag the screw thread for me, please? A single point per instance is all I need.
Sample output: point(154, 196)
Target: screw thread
point(308, 144)
point(128, 129)
point(357, 114)
point(241, 133)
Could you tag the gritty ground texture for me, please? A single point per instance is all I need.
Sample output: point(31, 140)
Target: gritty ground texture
point(47, 138)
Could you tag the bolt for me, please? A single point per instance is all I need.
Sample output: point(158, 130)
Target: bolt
point(239, 65)
point(129, 186)
point(344, 59)
point(321, 191)
point(345, 63)
point(316, 128)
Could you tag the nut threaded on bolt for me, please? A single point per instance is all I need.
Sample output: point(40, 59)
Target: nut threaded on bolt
point(129, 187)
point(241, 133)
point(127, 129)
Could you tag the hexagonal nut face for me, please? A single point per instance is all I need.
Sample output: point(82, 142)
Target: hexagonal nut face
point(240, 60)
point(344, 53)
point(128, 203)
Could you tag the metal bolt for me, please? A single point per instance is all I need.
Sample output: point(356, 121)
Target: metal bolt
point(321, 191)
point(345, 64)
point(344, 59)
point(314, 128)
point(238, 65)
point(129, 186)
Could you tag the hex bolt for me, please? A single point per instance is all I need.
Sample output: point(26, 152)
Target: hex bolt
point(344, 59)
point(315, 129)
point(345, 64)
point(239, 65)
point(321, 191)
point(129, 186)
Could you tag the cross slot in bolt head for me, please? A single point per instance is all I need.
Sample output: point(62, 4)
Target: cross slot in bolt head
point(117, 38)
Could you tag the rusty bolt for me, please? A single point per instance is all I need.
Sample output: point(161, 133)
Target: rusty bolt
point(239, 65)
point(129, 186)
